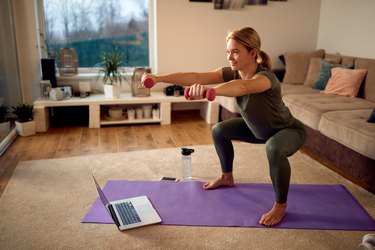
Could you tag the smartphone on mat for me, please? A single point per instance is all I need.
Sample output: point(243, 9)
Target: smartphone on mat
point(169, 179)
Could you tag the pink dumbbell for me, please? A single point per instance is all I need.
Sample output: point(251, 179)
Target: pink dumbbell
point(148, 82)
point(210, 94)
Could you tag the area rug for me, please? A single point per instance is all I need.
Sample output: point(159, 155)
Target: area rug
point(45, 201)
point(187, 203)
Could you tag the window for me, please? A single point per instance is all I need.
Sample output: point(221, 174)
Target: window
point(94, 27)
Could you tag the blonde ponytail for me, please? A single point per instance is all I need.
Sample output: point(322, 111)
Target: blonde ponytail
point(264, 60)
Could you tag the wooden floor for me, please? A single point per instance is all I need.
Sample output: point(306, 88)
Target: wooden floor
point(187, 128)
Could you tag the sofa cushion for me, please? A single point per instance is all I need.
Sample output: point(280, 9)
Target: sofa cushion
point(297, 65)
point(344, 59)
point(367, 90)
point(345, 82)
point(350, 128)
point(309, 108)
point(348, 59)
point(332, 55)
point(289, 89)
point(314, 69)
point(325, 73)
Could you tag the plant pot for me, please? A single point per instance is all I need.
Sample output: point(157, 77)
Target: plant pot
point(4, 128)
point(26, 128)
point(112, 91)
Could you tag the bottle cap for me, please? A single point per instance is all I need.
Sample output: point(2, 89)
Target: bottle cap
point(186, 151)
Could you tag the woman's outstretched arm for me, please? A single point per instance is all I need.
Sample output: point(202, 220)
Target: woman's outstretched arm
point(188, 78)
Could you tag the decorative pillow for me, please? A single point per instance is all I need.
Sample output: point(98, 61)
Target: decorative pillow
point(325, 73)
point(372, 117)
point(314, 69)
point(297, 65)
point(345, 82)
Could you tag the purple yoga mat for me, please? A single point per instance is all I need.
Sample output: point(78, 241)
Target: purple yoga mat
point(187, 203)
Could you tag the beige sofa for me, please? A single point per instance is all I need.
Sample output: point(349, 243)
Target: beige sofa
point(337, 127)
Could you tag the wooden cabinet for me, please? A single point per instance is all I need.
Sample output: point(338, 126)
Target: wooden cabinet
point(99, 105)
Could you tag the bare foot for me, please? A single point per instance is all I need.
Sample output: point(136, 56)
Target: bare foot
point(274, 216)
point(226, 179)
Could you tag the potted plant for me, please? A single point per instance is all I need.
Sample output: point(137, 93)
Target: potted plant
point(25, 124)
point(4, 123)
point(112, 73)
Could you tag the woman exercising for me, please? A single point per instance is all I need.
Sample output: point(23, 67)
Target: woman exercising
point(264, 116)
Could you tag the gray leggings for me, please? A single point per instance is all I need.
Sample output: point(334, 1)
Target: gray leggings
point(278, 148)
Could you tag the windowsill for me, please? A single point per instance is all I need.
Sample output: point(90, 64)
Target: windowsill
point(96, 83)
point(80, 76)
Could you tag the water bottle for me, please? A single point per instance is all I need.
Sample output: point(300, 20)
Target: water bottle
point(186, 173)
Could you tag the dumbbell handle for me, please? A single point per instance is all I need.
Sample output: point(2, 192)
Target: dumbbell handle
point(148, 82)
point(210, 94)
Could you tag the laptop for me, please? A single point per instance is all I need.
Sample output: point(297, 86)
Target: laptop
point(129, 213)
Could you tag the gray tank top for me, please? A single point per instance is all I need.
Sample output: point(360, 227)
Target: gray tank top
point(265, 113)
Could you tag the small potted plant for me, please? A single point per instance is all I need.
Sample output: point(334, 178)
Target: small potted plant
point(112, 72)
point(4, 123)
point(25, 123)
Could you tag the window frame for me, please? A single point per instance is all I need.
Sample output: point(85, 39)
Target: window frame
point(84, 71)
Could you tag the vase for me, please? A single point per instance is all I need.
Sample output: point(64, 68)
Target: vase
point(137, 87)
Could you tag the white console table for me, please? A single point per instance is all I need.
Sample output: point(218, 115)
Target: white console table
point(208, 110)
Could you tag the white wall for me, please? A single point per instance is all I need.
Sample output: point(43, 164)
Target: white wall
point(347, 27)
point(191, 36)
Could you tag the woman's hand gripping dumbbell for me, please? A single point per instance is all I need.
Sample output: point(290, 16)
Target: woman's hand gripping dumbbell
point(210, 94)
point(148, 82)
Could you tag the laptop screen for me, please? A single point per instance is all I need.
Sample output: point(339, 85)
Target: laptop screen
point(101, 193)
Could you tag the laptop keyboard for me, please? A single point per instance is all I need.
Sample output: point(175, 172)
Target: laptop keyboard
point(127, 212)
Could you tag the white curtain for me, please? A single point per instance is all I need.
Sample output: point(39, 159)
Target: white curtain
point(10, 87)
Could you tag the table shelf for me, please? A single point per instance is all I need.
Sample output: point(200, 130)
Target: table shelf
point(209, 110)
point(129, 121)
